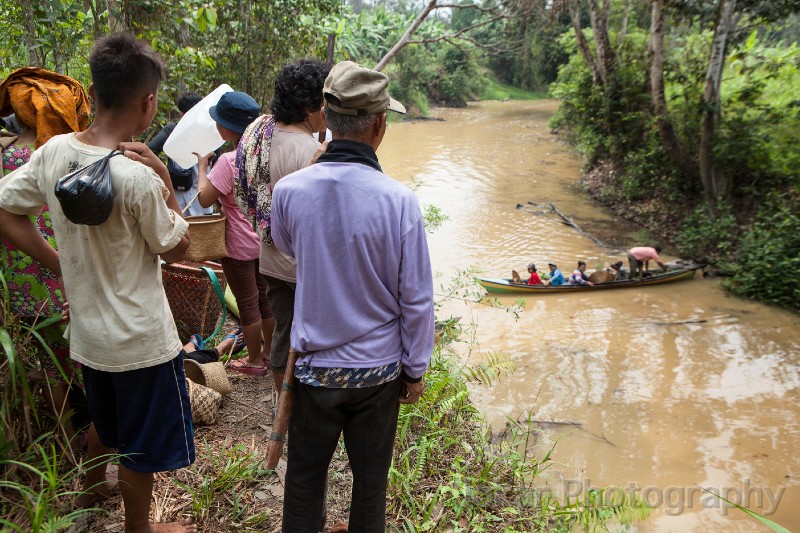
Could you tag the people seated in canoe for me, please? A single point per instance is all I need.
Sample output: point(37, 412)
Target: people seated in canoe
point(556, 277)
point(579, 277)
point(639, 258)
point(619, 271)
point(534, 278)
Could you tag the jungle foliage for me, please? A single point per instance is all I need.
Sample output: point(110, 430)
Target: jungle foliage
point(244, 43)
point(204, 43)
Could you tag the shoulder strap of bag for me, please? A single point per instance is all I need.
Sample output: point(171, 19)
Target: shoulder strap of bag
point(218, 289)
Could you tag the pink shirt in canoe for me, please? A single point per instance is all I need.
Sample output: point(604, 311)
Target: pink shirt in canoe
point(240, 239)
point(644, 253)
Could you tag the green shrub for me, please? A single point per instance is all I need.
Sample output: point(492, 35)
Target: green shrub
point(769, 255)
point(709, 235)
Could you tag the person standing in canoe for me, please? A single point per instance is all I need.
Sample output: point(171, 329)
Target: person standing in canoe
point(639, 259)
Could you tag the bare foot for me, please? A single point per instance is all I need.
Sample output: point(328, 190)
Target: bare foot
point(186, 526)
point(96, 494)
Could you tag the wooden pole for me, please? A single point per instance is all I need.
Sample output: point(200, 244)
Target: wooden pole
point(281, 422)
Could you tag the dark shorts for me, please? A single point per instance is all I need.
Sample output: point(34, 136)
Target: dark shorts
point(281, 300)
point(144, 414)
point(635, 265)
point(249, 286)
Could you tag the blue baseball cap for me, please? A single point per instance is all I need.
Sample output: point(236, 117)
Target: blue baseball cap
point(235, 111)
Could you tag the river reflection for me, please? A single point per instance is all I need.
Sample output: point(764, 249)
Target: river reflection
point(668, 387)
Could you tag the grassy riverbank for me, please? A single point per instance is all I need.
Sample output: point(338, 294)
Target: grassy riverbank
point(748, 241)
point(495, 90)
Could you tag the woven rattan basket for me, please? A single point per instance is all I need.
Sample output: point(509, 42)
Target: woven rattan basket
point(211, 375)
point(205, 403)
point(601, 276)
point(206, 238)
point(195, 305)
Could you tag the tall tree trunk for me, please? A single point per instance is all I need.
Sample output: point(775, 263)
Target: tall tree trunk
point(673, 145)
point(35, 53)
point(420, 18)
point(113, 15)
point(131, 15)
point(96, 8)
point(606, 58)
point(244, 14)
point(583, 44)
point(623, 29)
point(715, 184)
point(330, 49)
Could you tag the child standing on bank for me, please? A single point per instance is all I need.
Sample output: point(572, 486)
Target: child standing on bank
point(121, 328)
point(233, 113)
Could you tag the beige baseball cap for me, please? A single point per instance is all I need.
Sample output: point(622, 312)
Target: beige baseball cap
point(351, 89)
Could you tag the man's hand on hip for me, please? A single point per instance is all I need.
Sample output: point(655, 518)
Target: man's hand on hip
point(411, 392)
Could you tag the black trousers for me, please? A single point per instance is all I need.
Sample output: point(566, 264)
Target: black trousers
point(368, 419)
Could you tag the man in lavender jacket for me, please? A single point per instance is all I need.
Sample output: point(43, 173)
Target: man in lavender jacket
point(363, 322)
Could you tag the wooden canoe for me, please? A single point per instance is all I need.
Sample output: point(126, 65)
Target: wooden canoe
point(506, 286)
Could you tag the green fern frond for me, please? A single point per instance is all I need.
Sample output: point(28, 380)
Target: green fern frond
point(487, 372)
point(447, 405)
point(422, 459)
point(602, 506)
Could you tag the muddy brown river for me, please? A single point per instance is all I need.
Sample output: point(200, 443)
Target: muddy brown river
point(655, 391)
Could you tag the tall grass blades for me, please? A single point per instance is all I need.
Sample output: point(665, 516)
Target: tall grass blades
point(774, 526)
point(222, 486)
point(21, 420)
point(38, 499)
point(17, 405)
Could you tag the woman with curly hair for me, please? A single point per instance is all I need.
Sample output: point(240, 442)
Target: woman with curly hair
point(272, 147)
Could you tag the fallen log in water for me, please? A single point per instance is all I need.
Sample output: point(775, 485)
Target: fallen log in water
point(510, 429)
point(568, 221)
point(564, 219)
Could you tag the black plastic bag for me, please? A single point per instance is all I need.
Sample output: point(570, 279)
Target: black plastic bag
point(85, 194)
